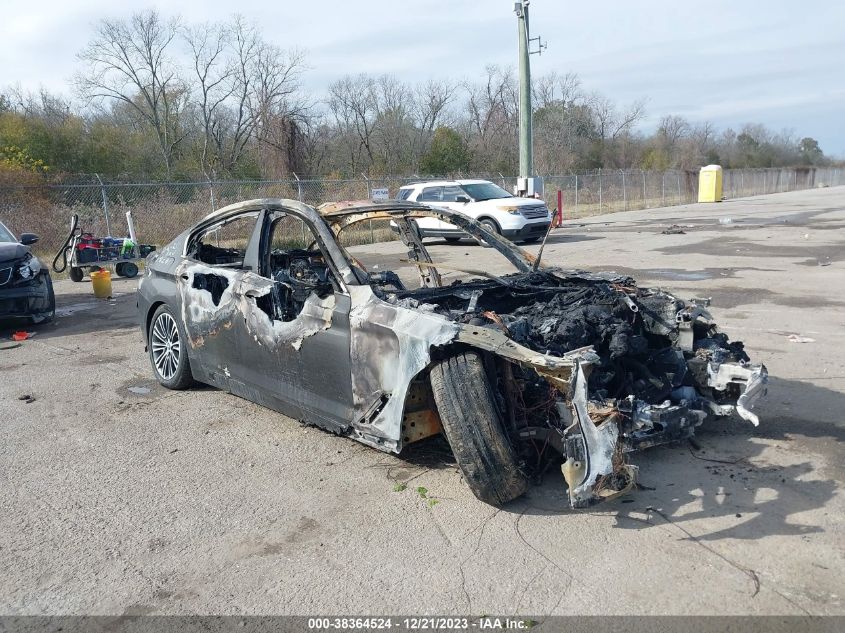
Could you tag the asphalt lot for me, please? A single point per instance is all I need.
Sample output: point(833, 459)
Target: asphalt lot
point(119, 497)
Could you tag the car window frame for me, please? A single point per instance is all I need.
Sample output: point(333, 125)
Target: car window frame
point(272, 216)
point(206, 228)
point(424, 189)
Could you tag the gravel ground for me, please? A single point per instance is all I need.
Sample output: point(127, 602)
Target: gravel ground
point(119, 497)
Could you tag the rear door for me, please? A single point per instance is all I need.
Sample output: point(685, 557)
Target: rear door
point(432, 195)
point(209, 280)
point(449, 200)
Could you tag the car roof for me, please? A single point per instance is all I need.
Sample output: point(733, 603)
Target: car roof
point(445, 183)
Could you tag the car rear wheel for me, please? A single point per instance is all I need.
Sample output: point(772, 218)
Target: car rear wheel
point(474, 428)
point(168, 350)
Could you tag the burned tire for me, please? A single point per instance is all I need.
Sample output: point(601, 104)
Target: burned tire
point(474, 428)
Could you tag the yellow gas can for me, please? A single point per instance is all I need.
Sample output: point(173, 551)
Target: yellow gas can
point(101, 280)
point(710, 184)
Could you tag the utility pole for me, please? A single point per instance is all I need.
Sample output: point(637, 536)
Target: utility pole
point(527, 183)
point(526, 150)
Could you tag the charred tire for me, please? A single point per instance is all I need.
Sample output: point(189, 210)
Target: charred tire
point(76, 274)
point(168, 350)
point(474, 428)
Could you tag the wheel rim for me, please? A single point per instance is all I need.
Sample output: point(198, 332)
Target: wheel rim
point(165, 346)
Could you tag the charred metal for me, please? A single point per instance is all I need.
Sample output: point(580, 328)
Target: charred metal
point(571, 369)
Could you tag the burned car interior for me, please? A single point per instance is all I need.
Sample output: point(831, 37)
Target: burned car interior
point(297, 271)
point(523, 371)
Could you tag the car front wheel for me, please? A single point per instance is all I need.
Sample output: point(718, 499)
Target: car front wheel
point(168, 350)
point(490, 226)
point(475, 430)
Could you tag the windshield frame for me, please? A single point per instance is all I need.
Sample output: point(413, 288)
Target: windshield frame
point(4, 232)
point(464, 187)
point(521, 260)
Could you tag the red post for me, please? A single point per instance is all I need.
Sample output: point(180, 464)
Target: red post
point(559, 207)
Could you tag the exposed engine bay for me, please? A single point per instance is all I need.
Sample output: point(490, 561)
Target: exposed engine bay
point(661, 366)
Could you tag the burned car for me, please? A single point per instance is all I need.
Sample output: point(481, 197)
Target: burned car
point(26, 289)
point(520, 371)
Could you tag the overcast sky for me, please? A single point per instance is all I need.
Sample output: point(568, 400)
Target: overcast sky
point(774, 62)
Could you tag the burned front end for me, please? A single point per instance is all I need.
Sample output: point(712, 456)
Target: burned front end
point(591, 367)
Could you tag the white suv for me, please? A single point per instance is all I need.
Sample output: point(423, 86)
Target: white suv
point(525, 219)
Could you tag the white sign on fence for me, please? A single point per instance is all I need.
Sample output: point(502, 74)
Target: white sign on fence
point(380, 193)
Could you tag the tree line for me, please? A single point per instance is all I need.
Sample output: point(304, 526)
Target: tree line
point(159, 99)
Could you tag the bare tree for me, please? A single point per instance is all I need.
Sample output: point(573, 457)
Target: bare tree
point(129, 62)
point(493, 109)
point(245, 92)
point(274, 106)
point(556, 89)
point(611, 125)
point(431, 101)
point(352, 104)
point(213, 72)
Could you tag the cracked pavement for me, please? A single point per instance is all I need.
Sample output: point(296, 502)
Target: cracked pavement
point(147, 501)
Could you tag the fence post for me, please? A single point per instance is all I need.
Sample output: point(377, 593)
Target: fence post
point(298, 186)
point(678, 176)
point(600, 190)
point(105, 204)
point(624, 193)
point(645, 203)
point(663, 189)
point(576, 194)
point(559, 207)
point(211, 195)
point(367, 197)
point(299, 197)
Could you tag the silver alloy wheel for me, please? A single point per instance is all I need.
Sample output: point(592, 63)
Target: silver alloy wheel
point(165, 346)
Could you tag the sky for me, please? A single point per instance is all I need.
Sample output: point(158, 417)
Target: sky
point(777, 63)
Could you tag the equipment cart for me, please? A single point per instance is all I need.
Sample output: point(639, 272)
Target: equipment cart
point(82, 251)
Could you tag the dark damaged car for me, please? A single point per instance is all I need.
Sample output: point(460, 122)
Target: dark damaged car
point(26, 290)
point(520, 371)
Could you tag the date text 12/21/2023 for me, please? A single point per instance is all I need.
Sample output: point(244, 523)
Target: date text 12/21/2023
point(422, 623)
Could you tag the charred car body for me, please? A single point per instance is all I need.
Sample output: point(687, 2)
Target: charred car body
point(26, 289)
point(542, 366)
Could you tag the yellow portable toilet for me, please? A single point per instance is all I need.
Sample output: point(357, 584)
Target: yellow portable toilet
point(710, 184)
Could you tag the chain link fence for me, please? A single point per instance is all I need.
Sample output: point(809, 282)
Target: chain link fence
point(162, 210)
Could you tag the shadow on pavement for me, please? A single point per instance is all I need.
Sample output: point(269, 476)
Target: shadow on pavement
point(80, 312)
point(729, 479)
